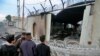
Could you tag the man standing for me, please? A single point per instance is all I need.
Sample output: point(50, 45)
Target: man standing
point(19, 41)
point(21, 38)
point(9, 49)
point(42, 49)
point(28, 46)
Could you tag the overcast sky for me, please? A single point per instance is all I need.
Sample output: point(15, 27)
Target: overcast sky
point(10, 6)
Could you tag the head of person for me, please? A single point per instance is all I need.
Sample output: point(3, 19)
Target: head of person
point(42, 38)
point(10, 39)
point(23, 35)
point(28, 36)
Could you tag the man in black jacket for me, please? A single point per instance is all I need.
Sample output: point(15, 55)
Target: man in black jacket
point(42, 49)
point(9, 49)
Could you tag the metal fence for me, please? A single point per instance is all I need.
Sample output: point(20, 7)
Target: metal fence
point(55, 7)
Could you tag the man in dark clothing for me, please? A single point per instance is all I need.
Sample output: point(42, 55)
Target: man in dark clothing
point(22, 37)
point(9, 49)
point(19, 41)
point(28, 46)
point(42, 49)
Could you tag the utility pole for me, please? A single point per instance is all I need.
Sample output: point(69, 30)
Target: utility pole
point(23, 15)
point(18, 10)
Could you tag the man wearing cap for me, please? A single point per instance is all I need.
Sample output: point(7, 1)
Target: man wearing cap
point(28, 46)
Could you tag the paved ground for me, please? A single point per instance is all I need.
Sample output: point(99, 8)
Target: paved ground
point(3, 29)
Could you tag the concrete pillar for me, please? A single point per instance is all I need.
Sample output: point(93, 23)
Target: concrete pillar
point(86, 27)
point(91, 27)
point(96, 24)
point(48, 27)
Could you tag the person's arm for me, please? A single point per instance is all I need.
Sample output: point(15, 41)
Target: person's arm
point(49, 52)
point(18, 43)
point(0, 52)
point(16, 52)
point(36, 51)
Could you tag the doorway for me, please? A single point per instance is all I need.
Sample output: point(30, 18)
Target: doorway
point(34, 29)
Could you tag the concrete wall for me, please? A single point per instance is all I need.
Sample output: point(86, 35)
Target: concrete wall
point(17, 22)
point(91, 26)
point(40, 27)
point(48, 27)
point(16, 27)
point(86, 27)
point(96, 24)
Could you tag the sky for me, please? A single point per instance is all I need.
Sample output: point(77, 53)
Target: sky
point(9, 7)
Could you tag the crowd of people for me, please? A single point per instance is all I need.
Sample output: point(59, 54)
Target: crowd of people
point(24, 46)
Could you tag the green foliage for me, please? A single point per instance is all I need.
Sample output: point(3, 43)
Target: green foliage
point(8, 17)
